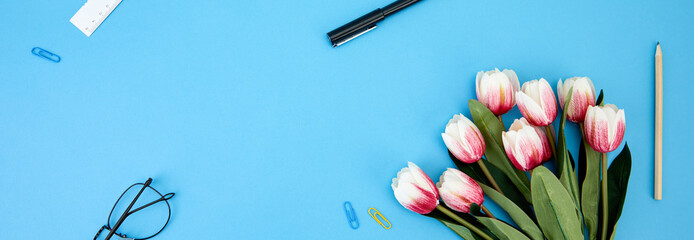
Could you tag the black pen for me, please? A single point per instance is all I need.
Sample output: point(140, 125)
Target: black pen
point(366, 23)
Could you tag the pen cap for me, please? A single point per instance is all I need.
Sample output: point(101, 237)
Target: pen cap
point(397, 6)
point(355, 28)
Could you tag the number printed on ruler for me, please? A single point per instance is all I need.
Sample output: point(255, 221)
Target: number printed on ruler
point(92, 14)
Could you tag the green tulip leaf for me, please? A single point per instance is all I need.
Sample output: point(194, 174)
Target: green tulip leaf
point(565, 169)
point(460, 230)
point(617, 181)
point(509, 190)
point(487, 119)
point(491, 129)
point(589, 159)
point(516, 213)
point(554, 208)
point(581, 170)
point(438, 215)
point(502, 230)
point(601, 97)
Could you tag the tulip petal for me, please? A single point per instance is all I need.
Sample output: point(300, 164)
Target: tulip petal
point(414, 190)
point(589, 123)
point(472, 140)
point(495, 91)
point(505, 93)
point(523, 151)
point(459, 191)
point(617, 134)
point(604, 127)
point(452, 129)
point(582, 97)
point(422, 179)
point(541, 149)
point(600, 127)
point(518, 124)
point(468, 152)
point(519, 151)
point(585, 86)
point(532, 89)
point(531, 110)
point(478, 88)
point(531, 147)
point(509, 86)
point(456, 148)
point(549, 102)
point(509, 141)
point(592, 89)
point(477, 145)
point(577, 109)
point(513, 78)
point(412, 197)
point(560, 93)
point(463, 139)
point(526, 145)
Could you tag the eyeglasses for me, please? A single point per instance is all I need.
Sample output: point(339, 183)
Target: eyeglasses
point(143, 223)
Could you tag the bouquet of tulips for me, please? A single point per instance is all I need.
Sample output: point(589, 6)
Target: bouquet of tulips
point(575, 201)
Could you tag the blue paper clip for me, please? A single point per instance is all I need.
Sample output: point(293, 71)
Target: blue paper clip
point(45, 54)
point(351, 215)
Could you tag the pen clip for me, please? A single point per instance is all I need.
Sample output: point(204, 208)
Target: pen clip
point(353, 35)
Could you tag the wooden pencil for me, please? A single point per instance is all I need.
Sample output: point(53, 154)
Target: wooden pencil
point(658, 180)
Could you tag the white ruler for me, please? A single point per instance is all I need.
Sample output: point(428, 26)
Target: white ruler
point(92, 14)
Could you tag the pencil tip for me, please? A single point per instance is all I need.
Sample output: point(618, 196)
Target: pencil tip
point(658, 43)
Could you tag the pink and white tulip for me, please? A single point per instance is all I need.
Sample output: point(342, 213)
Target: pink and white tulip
point(583, 96)
point(415, 190)
point(604, 127)
point(463, 139)
point(459, 191)
point(526, 145)
point(537, 103)
point(496, 90)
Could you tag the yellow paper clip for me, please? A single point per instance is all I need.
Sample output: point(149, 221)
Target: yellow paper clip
point(373, 215)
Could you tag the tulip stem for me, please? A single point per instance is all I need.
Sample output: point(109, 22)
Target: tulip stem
point(604, 196)
point(583, 135)
point(501, 120)
point(489, 176)
point(550, 137)
point(463, 222)
point(486, 211)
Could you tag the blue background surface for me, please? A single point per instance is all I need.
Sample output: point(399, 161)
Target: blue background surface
point(263, 130)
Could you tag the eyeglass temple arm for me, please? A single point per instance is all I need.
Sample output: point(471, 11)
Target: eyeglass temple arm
point(99, 232)
point(164, 198)
point(127, 210)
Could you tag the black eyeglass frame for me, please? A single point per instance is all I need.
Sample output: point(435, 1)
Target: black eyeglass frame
point(128, 212)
